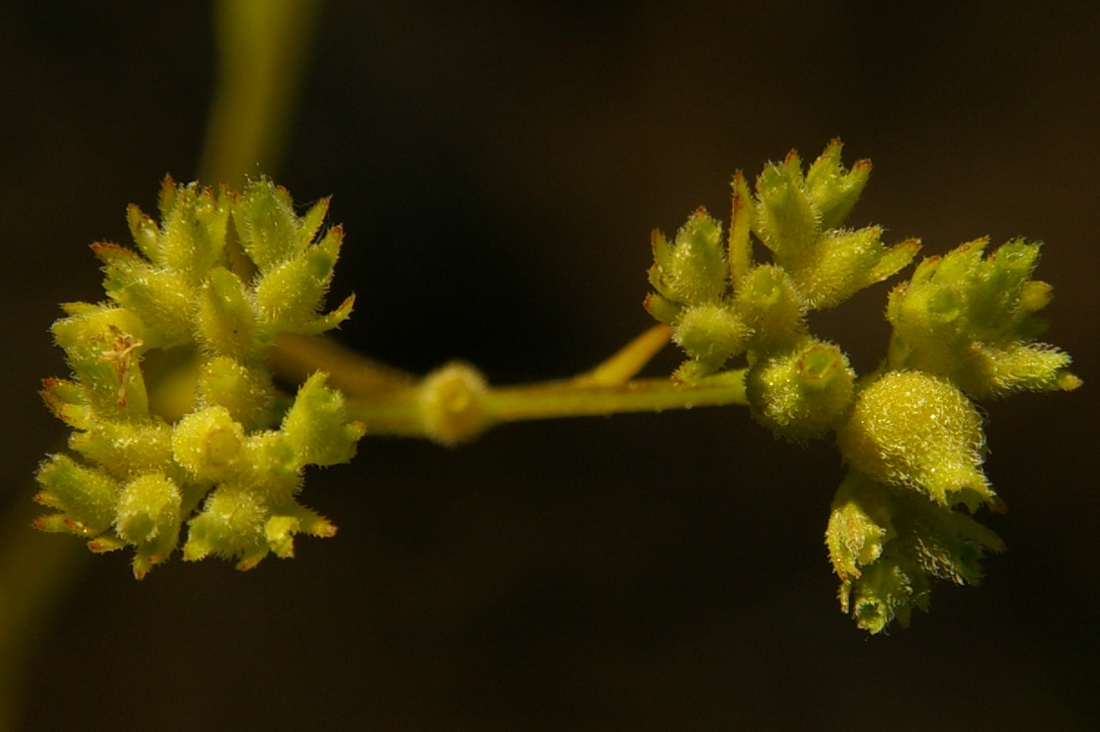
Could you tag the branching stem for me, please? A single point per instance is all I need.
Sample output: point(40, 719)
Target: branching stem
point(454, 404)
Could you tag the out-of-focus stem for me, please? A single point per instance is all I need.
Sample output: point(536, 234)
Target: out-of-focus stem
point(262, 46)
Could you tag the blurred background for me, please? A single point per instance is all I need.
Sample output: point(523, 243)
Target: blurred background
point(498, 167)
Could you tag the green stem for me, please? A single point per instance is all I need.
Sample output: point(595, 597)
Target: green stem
point(454, 403)
point(451, 406)
point(262, 49)
point(546, 401)
point(36, 571)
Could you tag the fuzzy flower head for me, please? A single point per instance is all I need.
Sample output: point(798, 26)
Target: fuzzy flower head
point(181, 318)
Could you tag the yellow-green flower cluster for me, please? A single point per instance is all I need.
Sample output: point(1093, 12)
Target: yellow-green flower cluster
point(963, 329)
point(972, 320)
point(176, 419)
point(721, 304)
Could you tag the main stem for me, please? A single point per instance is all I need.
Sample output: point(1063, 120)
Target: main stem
point(455, 404)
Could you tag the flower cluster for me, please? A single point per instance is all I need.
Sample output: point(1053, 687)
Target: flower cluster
point(178, 425)
point(910, 433)
point(963, 330)
point(720, 303)
point(176, 418)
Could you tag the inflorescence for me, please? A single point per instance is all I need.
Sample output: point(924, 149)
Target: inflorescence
point(213, 448)
point(964, 329)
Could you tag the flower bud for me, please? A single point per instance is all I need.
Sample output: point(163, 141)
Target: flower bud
point(887, 547)
point(267, 227)
point(771, 305)
point(291, 293)
point(711, 334)
point(887, 590)
point(162, 298)
point(797, 217)
point(972, 320)
point(104, 345)
point(844, 262)
point(245, 391)
point(785, 218)
point(85, 496)
point(859, 526)
point(195, 221)
point(125, 449)
point(231, 524)
point(693, 269)
point(317, 426)
point(225, 319)
point(207, 442)
point(149, 518)
point(803, 392)
point(915, 430)
point(834, 190)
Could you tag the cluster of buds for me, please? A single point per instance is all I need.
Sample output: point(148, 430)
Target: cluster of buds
point(721, 304)
point(176, 418)
point(963, 329)
point(912, 438)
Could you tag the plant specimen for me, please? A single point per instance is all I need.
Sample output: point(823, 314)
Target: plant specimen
point(179, 429)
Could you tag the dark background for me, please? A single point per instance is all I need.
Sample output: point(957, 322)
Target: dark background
point(498, 167)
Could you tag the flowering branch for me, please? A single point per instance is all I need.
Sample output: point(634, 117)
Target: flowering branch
point(177, 422)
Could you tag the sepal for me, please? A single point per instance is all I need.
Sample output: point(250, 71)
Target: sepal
point(68, 402)
point(740, 241)
point(144, 230)
point(324, 323)
point(661, 308)
point(293, 518)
